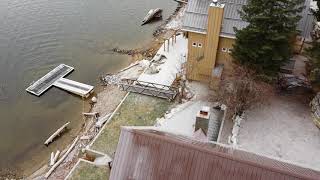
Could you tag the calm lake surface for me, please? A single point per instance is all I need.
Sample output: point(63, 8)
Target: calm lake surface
point(38, 35)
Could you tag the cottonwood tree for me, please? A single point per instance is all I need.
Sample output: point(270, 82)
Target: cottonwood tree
point(264, 44)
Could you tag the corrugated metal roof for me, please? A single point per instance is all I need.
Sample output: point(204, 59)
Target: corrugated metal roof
point(195, 22)
point(196, 17)
point(305, 25)
point(147, 154)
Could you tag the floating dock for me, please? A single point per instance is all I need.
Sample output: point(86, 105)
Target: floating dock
point(56, 78)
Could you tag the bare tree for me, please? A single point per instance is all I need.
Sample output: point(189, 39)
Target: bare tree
point(241, 91)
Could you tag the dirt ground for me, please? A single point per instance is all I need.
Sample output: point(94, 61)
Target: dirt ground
point(282, 128)
point(111, 96)
point(108, 99)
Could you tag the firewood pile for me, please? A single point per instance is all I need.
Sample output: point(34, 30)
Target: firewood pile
point(316, 31)
point(315, 109)
point(292, 83)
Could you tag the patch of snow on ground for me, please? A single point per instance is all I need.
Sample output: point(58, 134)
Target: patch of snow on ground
point(181, 120)
point(172, 64)
point(176, 23)
point(283, 129)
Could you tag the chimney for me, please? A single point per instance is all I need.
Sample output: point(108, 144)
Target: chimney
point(215, 17)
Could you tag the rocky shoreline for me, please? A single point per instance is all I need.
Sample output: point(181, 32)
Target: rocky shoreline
point(88, 128)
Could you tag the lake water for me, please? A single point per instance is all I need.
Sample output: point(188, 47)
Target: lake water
point(38, 35)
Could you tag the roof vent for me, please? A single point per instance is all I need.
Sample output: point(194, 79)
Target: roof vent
point(216, 3)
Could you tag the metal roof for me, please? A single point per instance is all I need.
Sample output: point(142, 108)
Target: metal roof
point(196, 17)
point(305, 25)
point(149, 154)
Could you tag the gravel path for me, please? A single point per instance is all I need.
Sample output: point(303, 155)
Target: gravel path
point(283, 129)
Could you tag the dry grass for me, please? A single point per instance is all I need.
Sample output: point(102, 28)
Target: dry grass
point(137, 110)
point(85, 171)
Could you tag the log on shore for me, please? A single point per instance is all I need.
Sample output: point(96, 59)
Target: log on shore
point(54, 157)
point(62, 158)
point(91, 114)
point(102, 120)
point(51, 159)
point(55, 134)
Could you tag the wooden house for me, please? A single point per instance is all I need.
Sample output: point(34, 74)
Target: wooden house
point(209, 26)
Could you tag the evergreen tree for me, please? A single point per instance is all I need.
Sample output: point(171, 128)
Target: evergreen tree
point(316, 13)
point(313, 53)
point(265, 44)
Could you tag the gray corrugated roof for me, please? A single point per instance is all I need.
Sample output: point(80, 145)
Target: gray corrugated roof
point(306, 23)
point(232, 17)
point(196, 17)
point(195, 22)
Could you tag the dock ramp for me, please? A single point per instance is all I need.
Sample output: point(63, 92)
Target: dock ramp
point(56, 78)
point(147, 88)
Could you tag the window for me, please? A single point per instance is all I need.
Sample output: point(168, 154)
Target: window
point(194, 44)
point(200, 45)
point(224, 50)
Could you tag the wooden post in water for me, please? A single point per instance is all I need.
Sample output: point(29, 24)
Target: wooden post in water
point(175, 36)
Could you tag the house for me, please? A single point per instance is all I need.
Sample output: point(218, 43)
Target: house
point(209, 26)
point(146, 153)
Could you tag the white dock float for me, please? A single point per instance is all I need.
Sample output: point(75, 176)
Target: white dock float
point(55, 78)
point(74, 87)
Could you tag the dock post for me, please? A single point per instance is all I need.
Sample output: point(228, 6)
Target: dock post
point(175, 36)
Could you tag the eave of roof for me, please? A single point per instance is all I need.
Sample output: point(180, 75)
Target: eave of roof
point(152, 145)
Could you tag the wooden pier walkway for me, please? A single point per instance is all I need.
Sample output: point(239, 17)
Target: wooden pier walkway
point(150, 89)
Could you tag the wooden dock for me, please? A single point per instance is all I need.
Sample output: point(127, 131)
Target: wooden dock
point(55, 78)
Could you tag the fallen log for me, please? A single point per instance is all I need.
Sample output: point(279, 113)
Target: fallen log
point(55, 158)
point(132, 65)
point(55, 134)
point(51, 159)
point(102, 120)
point(153, 13)
point(93, 114)
point(62, 158)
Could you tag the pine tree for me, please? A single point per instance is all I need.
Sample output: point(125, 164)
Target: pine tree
point(264, 44)
point(313, 53)
point(316, 13)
